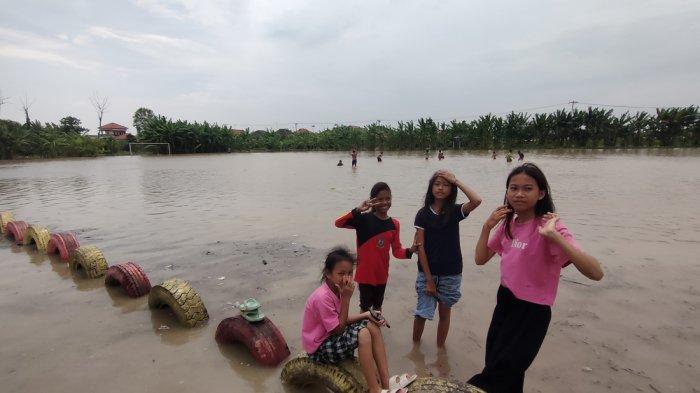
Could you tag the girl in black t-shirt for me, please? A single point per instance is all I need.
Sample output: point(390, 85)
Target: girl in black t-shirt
point(440, 258)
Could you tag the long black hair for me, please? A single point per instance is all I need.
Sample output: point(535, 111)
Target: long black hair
point(543, 206)
point(449, 202)
point(335, 256)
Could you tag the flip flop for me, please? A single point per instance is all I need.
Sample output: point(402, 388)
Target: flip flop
point(399, 390)
point(403, 381)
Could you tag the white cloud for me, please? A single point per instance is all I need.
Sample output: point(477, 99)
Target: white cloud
point(24, 45)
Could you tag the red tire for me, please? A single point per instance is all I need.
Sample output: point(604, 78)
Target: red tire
point(64, 244)
point(264, 341)
point(131, 277)
point(16, 230)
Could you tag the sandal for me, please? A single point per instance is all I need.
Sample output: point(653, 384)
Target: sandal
point(401, 381)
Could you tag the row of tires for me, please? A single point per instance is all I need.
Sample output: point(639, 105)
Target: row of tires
point(263, 339)
point(89, 261)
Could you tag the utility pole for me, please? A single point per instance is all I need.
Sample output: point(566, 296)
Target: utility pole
point(572, 105)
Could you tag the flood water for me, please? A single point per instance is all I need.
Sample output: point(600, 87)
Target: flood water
point(257, 225)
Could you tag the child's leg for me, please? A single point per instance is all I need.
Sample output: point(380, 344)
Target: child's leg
point(418, 326)
point(379, 352)
point(425, 308)
point(366, 291)
point(448, 293)
point(443, 324)
point(366, 359)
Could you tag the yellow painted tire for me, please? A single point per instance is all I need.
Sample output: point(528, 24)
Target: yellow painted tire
point(37, 235)
point(5, 217)
point(441, 385)
point(182, 299)
point(340, 378)
point(89, 259)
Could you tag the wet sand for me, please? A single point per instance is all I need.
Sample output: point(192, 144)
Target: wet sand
point(637, 330)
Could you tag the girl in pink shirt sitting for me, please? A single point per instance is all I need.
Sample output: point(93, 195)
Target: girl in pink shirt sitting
point(329, 334)
point(534, 246)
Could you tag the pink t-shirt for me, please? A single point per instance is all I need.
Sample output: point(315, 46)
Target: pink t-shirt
point(321, 315)
point(530, 263)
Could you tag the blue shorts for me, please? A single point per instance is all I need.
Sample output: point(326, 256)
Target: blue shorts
point(448, 293)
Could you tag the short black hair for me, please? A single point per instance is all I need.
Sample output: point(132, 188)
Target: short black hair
point(377, 188)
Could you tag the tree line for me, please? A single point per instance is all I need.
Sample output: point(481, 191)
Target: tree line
point(589, 128)
point(50, 140)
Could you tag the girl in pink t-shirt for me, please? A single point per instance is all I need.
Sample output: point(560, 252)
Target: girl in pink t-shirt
point(329, 334)
point(534, 246)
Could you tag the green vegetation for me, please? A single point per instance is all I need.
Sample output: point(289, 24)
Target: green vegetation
point(49, 140)
point(591, 128)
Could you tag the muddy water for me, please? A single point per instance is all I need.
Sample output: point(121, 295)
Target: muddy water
point(242, 225)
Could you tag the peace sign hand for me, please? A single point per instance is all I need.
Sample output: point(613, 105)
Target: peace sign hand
point(366, 205)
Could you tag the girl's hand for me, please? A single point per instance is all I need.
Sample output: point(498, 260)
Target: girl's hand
point(379, 322)
point(430, 288)
point(447, 175)
point(549, 229)
point(415, 247)
point(497, 215)
point(346, 288)
point(366, 205)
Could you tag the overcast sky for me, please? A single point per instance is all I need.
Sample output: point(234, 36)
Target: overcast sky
point(272, 63)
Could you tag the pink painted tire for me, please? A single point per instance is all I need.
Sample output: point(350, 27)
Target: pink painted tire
point(131, 277)
point(16, 231)
point(64, 244)
point(263, 339)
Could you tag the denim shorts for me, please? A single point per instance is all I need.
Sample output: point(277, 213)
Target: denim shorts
point(448, 293)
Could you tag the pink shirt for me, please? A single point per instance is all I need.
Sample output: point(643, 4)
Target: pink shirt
point(530, 263)
point(321, 315)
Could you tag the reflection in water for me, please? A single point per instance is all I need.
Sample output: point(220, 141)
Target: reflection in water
point(123, 302)
point(61, 268)
point(83, 283)
point(167, 327)
point(243, 364)
point(440, 367)
point(35, 256)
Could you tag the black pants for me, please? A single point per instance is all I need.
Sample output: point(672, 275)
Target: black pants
point(371, 296)
point(515, 336)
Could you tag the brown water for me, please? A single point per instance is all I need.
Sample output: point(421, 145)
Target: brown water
point(205, 217)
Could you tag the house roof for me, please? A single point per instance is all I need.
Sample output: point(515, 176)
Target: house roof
point(113, 126)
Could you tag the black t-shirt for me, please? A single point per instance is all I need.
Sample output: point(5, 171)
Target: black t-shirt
point(441, 242)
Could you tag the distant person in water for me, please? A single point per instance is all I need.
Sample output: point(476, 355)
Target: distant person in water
point(379, 157)
point(354, 158)
point(521, 155)
point(441, 155)
point(493, 155)
point(427, 153)
point(340, 163)
point(509, 156)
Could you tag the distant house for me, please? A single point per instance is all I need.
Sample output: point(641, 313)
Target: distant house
point(303, 131)
point(115, 131)
point(237, 132)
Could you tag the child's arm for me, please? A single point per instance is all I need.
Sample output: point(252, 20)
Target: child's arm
point(474, 198)
point(396, 247)
point(483, 253)
point(350, 219)
point(430, 288)
point(346, 289)
point(586, 264)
